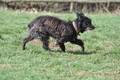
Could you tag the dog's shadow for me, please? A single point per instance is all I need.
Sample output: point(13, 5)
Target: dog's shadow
point(80, 53)
point(69, 52)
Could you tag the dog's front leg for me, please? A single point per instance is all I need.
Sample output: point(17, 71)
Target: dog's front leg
point(60, 42)
point(62, 46)
point(78, 42)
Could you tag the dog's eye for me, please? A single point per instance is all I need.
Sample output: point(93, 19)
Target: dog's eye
point(87, 24)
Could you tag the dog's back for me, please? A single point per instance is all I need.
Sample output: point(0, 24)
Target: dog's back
point(52, 25)
point(46, 20)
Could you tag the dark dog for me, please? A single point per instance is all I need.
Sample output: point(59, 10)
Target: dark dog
point(63, 31)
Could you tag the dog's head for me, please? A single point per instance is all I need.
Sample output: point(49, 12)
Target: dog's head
point(83, 23)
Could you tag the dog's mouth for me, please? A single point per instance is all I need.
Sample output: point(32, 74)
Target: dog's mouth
point(89, 29)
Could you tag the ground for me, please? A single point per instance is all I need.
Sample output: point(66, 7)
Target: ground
point(101, 60)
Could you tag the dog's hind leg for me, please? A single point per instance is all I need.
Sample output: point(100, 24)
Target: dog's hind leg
point(45, 45)
point(80, 43)
point(44, 37)
point(27, 39)
point(32, 35)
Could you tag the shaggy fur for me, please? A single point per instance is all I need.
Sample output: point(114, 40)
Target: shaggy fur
point(63, 31)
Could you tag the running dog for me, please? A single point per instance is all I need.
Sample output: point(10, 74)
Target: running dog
point(63, 31)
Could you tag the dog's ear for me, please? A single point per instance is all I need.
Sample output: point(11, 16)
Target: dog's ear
point(80, 16)
point(77, 14)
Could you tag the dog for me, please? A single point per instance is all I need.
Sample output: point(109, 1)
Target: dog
point(63, 31)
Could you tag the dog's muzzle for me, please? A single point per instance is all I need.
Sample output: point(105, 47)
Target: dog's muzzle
point(90, 28)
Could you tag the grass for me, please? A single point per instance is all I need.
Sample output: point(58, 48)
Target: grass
point(101, 61)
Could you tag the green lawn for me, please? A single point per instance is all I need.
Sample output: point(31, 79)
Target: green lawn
point(101, 60)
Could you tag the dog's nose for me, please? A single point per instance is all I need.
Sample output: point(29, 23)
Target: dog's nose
point(93, 27)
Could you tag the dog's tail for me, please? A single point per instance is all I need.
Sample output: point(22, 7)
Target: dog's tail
point(34, 24)
point(29, 26)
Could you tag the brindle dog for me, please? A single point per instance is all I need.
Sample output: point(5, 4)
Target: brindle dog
point(63, 31)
